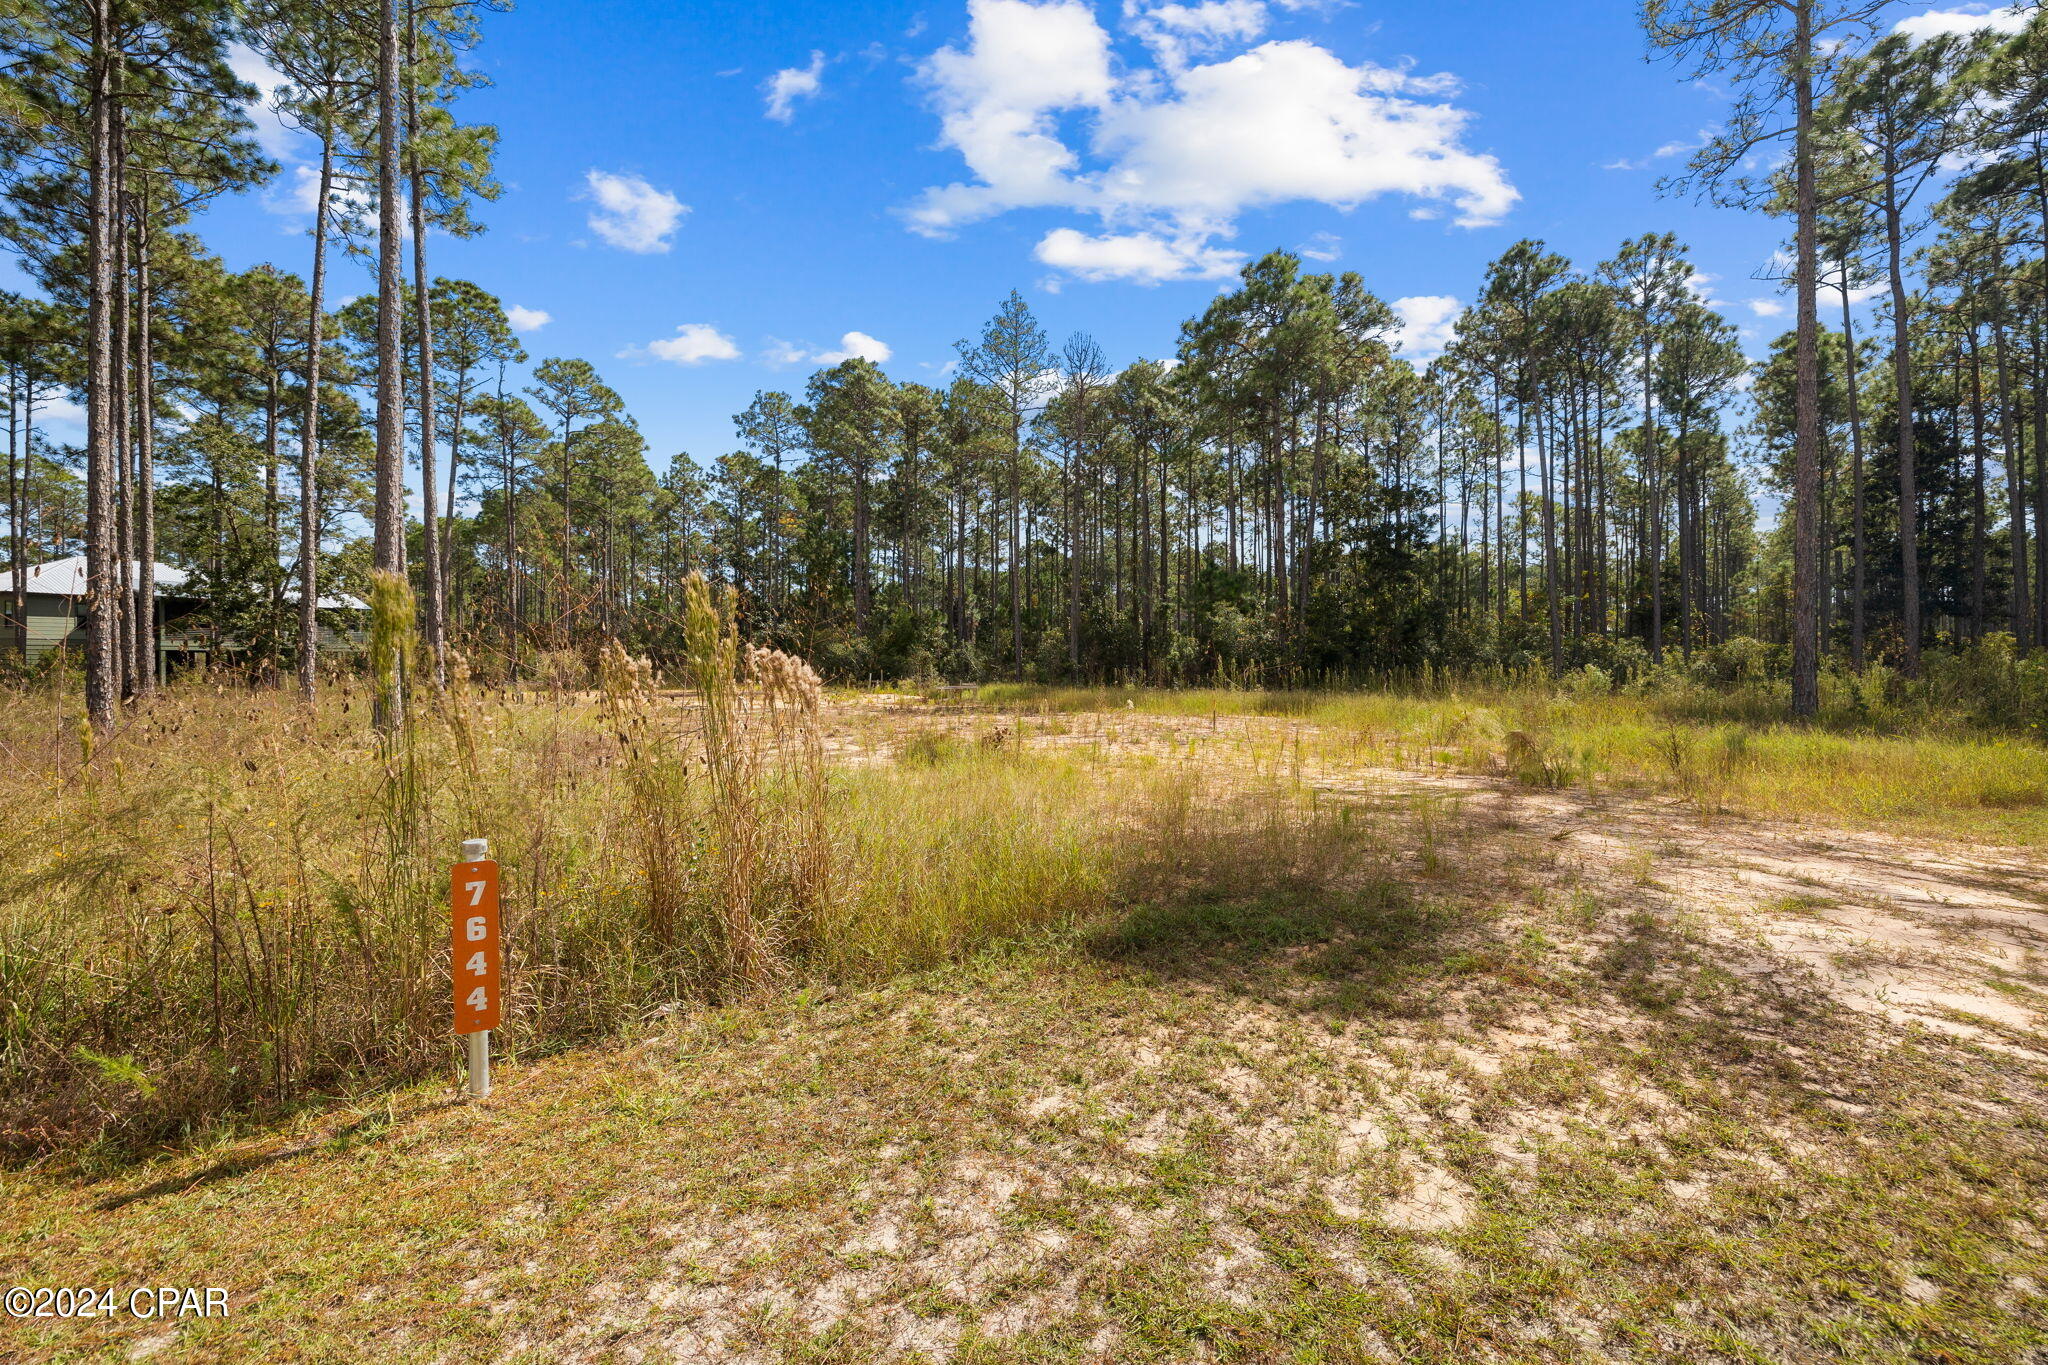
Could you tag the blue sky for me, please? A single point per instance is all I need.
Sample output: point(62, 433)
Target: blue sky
point(710, 199)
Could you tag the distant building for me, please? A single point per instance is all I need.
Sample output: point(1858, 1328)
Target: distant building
point(56, 615)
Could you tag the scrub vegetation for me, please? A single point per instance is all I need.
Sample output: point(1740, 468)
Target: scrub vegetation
point(1430, 1023)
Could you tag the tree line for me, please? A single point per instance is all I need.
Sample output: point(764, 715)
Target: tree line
point(1284, 496)
point(118, 119)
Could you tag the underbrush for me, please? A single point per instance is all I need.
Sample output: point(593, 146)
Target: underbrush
point(235, 905)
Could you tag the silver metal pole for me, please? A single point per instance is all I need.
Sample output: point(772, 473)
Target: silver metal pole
point(479, 1063)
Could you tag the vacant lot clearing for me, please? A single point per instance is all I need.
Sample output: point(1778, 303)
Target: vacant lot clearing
point(1359, 1055)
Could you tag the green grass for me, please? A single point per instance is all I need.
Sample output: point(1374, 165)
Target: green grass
point(1721, 755)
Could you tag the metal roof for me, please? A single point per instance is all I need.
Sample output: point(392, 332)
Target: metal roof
point(66, 578)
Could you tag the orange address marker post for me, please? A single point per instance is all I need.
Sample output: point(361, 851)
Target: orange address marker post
point(476, 958)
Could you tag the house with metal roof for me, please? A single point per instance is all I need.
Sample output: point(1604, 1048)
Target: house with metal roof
point(55, 615)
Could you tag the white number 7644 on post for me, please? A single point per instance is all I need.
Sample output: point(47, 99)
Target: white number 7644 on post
point(475, 959)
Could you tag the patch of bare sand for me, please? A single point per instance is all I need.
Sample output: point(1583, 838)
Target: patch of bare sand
point(1436, 1201)
point(1914, 933)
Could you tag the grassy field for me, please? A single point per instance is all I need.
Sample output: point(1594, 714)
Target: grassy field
point(1053, 1027)
point(237, 904)
point(1723, 753)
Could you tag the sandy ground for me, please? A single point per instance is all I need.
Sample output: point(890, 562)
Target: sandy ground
point(1952, 936)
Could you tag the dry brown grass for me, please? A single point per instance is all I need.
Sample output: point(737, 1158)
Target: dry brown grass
point(234, 905)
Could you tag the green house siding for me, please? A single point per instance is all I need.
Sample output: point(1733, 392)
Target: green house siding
point(50, 624)
point(58, 622)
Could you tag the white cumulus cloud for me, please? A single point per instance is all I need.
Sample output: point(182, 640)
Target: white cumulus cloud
point(783, 89)
point(693, 344)
point(852, 346)
point(1766, 308)
point(63, 418)
point(527, 319)
point(631, 214)
point(1428, 324)
point(1963, 20)
point(1177, 32)
point(997, 100)
point(349, 205)
point(1291, 121)
point(856, 346)
point(295, 196)
point(1142, 257)
point(1168, 156)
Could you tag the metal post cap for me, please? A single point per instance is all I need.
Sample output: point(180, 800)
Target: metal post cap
point(475, 850)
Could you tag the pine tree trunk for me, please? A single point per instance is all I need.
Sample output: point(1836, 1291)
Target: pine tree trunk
point(1681, 477)
point(1852, 383)
point(102, 666)
point(2040, 489)
point(124, 450)
point(273, 499)
point(568, 538)
point(1073, 519)
point(309, 426)
point(1545, 457)
point(1806, 402)
point(20, 383)
point(1978, 510)
point(1016, 485)
point(449, 602)
point(388, 550)
point(1653, 516)
point(16, 569)
point(147, 654)
point(509, 475)
point(434, 616)
point(862, 592)
point(1902, 378)
point(2016, 491)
